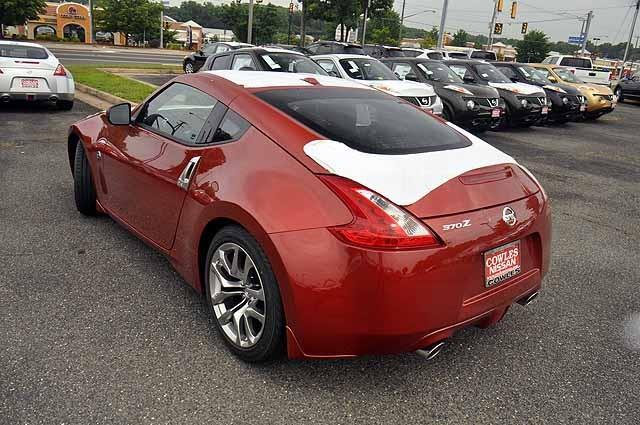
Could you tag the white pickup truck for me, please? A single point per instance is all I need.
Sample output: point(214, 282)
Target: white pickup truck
point(582, 67)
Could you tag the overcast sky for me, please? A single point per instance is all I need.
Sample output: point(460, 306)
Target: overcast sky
point(558, 18)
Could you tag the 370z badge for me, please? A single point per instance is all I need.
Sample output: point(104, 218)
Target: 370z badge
point(460, 225)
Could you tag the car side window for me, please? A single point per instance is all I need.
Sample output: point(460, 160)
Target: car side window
point(243, 62)
point(179, 112)
point(461, 70)
point(209, 49)
point(221, 62)
point(231, 128)
point(222, 48)
point(323, 49)
point(402, 69)
point(508, 71)
point(329, 66)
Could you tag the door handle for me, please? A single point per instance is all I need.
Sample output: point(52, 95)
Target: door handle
point(187, 173)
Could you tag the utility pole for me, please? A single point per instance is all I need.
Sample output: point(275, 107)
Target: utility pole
point(290, 19)
point(633, 28)
point(303, 29)
point(250, 23)
point(162, 28)
point(492, 24)
point(401, 22)
point(585, 36)
point(364, 21)
point(443, 19)
point(91, 32)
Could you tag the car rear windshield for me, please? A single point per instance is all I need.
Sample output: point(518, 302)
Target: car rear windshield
point(479, 54)
point(438, 72)
point(576, 62)
point(22, 52)
point(458, 55)
point(490, 73)
point(291, 62)
point(366, 69)
point(353, 50)
point(395, 53)
point(365, 120)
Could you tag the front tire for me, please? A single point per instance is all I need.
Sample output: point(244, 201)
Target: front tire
point(84, 190)
point(619, 94)
point(244, 296)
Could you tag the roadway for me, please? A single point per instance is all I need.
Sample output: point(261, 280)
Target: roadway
point(89, 55)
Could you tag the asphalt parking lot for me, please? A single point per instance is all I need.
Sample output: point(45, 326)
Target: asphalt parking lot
point(96, 327)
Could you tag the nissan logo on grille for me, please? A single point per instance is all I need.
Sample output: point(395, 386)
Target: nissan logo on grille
point(509, 216)
point(493, 102)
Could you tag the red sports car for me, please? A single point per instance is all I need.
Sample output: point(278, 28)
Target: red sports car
point(320, 217)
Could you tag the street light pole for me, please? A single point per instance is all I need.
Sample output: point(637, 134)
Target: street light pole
point(586, 31)
point(443, 19)
point(364, 22)
point(401, 21)
point(250, 23)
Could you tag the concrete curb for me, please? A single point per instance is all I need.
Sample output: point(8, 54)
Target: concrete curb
point(141, 71)
point(103, 96)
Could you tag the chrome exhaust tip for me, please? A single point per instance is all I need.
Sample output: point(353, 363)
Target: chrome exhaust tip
point(528, 299)
point(430, 352)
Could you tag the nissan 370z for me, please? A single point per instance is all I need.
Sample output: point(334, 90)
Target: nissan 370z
point(319, 217)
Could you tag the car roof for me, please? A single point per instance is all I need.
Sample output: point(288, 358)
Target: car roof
point(268, 50)
point(21, 43)
point(465, 61)
point(343, 56)
point(342, 43)
point(266, 79)
point(234, 43)
point(410, 59)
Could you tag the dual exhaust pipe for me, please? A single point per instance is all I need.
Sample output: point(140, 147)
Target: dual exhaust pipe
point(432, 351)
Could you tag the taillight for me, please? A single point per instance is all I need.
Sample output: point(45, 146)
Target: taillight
point(378, 223)
point(60, 71)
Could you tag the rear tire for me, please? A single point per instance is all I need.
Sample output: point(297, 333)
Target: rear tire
point(84, 190)
point(254, 282)
point(189, 67)
point(619, 94)
point(64, 105)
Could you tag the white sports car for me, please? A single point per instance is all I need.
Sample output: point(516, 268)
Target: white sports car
point(30, 72)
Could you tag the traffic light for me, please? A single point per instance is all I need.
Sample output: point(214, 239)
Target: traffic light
point(514, 9)
point(498, 28)
point(500, 5)
point(525, 26)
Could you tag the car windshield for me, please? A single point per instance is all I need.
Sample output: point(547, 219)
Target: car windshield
point(566, 75)
point(438, 72)
point(490, 73)
point(365, 120)
point(534, 75)
point(291, 62)
point(22, 52)
point(366, 69)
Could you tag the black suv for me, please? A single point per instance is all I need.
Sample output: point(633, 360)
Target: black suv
point(263, 59)
point(567, 104)
point(526, 105)
point(471, 106)
point(193, 62)
point(379, 51)
point(335, 47)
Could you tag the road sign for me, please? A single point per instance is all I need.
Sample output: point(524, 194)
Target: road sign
point(577, 39)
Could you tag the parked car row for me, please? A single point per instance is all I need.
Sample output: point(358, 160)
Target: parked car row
point(475, 94)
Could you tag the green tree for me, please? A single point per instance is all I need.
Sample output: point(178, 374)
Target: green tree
point(430, 39)
point(17, 12)
point(533, 48)
point(460, 38)
point(132, 17)
point(383, 28)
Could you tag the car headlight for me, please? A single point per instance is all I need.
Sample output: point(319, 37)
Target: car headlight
point(471, 104)
point(524, 103)
point(565, 100)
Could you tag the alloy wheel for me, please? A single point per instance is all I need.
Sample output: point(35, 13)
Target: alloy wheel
point(188, 68)
point(237, 295)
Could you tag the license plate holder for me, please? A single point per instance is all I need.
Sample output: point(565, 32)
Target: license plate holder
point(496, 112)
point(583, 107)
point(545, 110)
point(29, 83)
point(502, 264)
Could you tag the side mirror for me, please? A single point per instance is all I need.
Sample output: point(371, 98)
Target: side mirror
point(119, 114)
point(411, 77)
point(469, 79)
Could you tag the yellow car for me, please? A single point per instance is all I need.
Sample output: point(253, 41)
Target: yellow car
point(600, 99)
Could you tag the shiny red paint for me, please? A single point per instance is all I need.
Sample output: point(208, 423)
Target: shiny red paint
point(339, 300)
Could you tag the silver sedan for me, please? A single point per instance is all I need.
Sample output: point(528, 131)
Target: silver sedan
point(30, 72)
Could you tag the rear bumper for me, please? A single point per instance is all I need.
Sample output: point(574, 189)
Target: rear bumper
point(13, 96)
point(348, 301)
